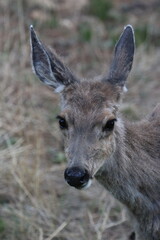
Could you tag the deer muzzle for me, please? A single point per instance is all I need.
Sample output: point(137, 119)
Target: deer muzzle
point(77, 177)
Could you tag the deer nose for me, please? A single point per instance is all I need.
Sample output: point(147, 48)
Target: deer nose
point(76, 177)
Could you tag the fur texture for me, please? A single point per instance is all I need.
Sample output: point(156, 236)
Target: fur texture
point(124, 157)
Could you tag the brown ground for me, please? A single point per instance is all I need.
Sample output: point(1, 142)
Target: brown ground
point(36, 203)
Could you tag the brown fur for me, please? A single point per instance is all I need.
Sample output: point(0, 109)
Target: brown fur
point(131, 171)
point(125, 159)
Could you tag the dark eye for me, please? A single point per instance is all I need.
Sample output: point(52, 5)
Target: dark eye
point(109, 125)
point(62, 123)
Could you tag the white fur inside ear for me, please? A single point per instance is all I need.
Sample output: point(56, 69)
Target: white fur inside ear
point(125, 89)
point(59, 89)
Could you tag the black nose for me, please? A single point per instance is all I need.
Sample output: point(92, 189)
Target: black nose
point(76, 177)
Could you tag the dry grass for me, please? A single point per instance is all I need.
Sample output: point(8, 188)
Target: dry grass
point(35, 201)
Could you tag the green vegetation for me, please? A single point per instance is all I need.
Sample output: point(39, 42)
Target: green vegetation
point(141, 34)
point(85, 32)
point(2, 226)
point(130, 113)
point(100, 9)
point(113, 38)
point(52, 22)
point(59, 158)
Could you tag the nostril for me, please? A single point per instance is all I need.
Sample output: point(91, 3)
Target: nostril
point(75, 172)
point(76, 176)
point(84, 177)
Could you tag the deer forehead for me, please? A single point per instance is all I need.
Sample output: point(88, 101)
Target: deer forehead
point(94, 102)
point(89, 96)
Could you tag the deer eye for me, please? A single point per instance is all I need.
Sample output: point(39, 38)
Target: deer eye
point(62, 123)
point(109, 125)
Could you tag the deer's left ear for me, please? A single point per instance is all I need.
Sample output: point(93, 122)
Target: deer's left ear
point(123, 58)
point(48, 67)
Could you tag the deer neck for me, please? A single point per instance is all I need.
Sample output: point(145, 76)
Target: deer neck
point(126, 173)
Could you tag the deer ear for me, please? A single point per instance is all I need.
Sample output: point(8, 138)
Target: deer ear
point(48, 67)
point(123, 57)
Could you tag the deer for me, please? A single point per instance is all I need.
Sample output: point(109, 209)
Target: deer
point(123, 155)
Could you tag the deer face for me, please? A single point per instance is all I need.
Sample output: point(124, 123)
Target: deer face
point(88, 122)
point(89, 112)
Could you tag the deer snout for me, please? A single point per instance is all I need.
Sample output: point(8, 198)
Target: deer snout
point(77, 177)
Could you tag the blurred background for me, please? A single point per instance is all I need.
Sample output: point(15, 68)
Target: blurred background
point(35, 201)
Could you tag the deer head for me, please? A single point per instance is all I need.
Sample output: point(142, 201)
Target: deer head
point(89, 117)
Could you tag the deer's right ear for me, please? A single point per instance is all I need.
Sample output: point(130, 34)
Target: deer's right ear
point(48, 67)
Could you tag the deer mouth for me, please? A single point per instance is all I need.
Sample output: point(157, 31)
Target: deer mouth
point(84, 186)
point(87, 185)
